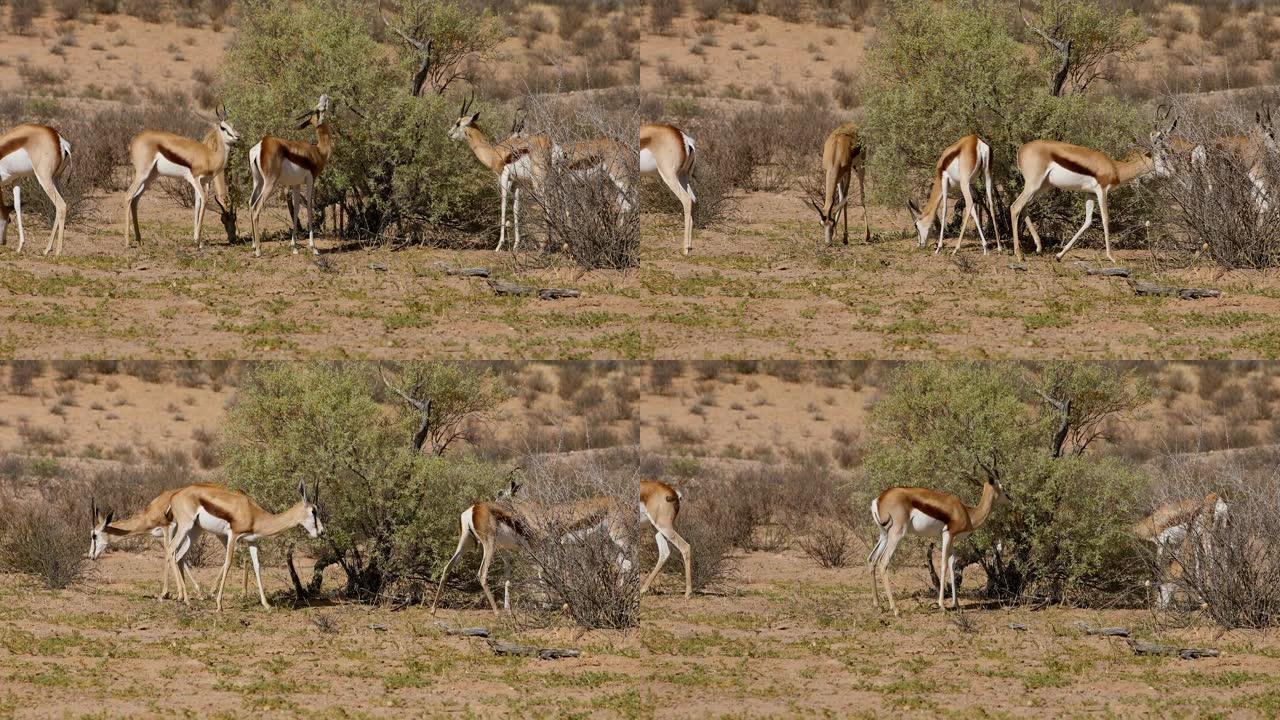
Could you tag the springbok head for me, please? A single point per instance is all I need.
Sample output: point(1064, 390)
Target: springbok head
point(311, 517)
point(98, 536)
point(465, 120)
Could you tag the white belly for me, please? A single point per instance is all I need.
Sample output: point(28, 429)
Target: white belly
point(212, 523)
point(926, 526)
point(1065, 179)
point(952, 174)
point(506, 538)
point(292, 174)
point(648, 163)
point(16, 164)
point(520, 171)
point(171, 169)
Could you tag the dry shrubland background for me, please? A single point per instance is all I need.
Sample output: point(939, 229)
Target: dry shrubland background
point(103, 71)
point(762, 83)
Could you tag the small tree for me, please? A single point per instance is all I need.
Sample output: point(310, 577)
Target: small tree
point(381, 497)
point(393, 169)
point(942, 71)
point(447, 401)
point(952, 426)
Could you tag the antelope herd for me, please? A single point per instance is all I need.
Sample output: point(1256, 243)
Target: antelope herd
point(1182, 532)
point(507, 525)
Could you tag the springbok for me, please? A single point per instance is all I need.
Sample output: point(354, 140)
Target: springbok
point(660, 504)
point(34, 151)
point(928, 514)
point(510, 524)
point(1079, 169)
point(513, 161)
point(233, 517)
point(154, 519)
point(1180, 530)
point(956, 168)
point(667, 151)
point(155, 153)
point(843, 154)
point(293, 164)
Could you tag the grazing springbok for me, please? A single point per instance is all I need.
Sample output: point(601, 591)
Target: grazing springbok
point(1180, 530)
point(514, 161)
point(928, 514)
point(1048, 163)
point(155, 153)
point(34, 151)
point(509, 525)
point(843, 154)
point(660, 504)
point(667, 151)
point(277, 162)
point(154, 519)
point(956, 168)
point(233, 517)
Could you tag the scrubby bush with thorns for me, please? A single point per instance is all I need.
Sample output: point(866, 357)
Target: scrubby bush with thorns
point(587, 197)
point(1224, 558)
point(1223, 199)
point(583, 534)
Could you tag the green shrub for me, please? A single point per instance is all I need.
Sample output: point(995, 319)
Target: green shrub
point(1064, 534)
point(381, 498)
point(393, 167)
point(942, 71)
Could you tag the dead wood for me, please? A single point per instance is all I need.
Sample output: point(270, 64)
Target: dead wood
point(1145, 648)
point(501, 288)
point(463, 272)
point(504, 648)
point(1141, 287)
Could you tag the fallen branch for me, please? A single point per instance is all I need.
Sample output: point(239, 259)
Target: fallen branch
point(1018, 626)
point(464, 632)
point(1088, 629)
point(1145, 648)
point(1145, 288)
point(502, 648)
point(464, 272)
point(1021, 267)
point(1105, 272)
point(501, 288)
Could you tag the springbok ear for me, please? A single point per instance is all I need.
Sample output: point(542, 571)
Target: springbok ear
point(110, 515)
point(302, 489)
point(913, 209)
point(475, 117)
point(1174, 125)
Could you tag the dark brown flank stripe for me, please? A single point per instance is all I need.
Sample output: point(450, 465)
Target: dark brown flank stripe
point(299, 160)
point(511, 521)
point(215, 510)
point(1070, 164)
point(171, 156)
point(933, 511)
point(947, 158)
point(11, 145)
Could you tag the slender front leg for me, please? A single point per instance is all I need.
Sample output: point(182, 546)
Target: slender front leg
point(294, 222)
point(1106, 223)
point(663, 553)
point(226, 566)
point(1088, 220)
point(506, 582)
point(515, 211)
point(964, 221)
point(504, 184)
point(257, 574)
point(942, 215)
point(311, 214)
point(955, 602)
point(942, 566)
point(17, 208)
point(484, 575)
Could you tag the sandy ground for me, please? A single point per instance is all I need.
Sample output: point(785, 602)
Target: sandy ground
point(108, 647)
point(766, 286)
point(790, 638)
